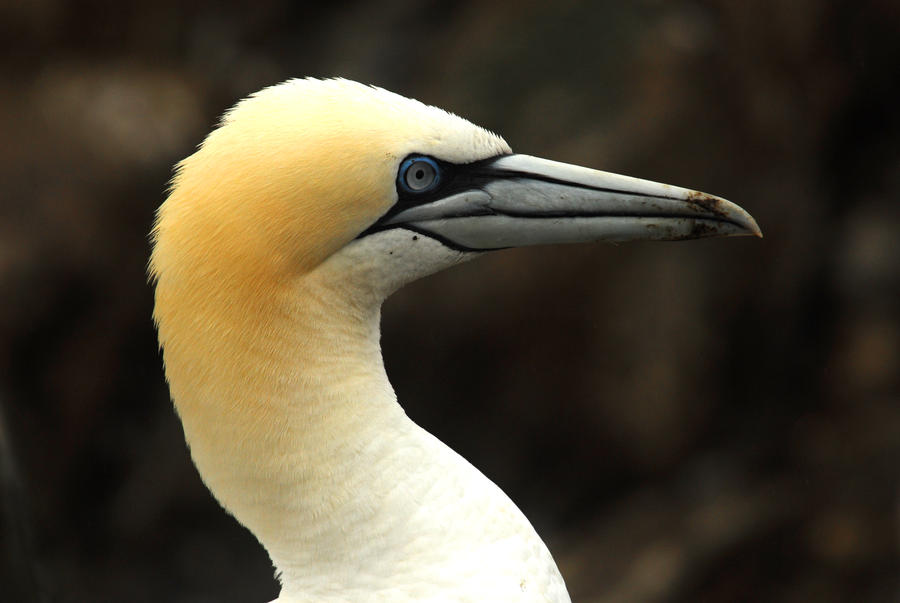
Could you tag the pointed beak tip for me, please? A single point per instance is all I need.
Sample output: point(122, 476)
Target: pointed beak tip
point(722, 207)
point(751, 228)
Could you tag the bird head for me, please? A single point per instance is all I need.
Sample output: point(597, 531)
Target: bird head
point(308, 169)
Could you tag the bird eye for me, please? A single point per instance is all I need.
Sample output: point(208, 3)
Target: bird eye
point(418, 174)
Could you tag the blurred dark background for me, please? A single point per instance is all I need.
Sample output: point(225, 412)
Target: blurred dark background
point(713, 420)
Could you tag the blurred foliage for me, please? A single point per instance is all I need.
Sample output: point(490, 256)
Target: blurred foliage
point(716, 420)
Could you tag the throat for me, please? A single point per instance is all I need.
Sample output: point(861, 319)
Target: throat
point(298, 433)
point(295, 429)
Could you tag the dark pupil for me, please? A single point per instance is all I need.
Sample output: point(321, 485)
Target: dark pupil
point(420, 173)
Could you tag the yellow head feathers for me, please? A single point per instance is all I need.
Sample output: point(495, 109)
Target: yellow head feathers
point(291, 176)
point(295, 172)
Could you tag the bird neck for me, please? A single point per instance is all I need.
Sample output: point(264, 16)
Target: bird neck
point(294, 427)
point(281, 403)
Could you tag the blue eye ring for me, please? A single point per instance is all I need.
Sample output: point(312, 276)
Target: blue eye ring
point(418, 174)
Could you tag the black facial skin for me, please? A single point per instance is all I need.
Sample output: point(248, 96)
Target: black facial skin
point(454, 178)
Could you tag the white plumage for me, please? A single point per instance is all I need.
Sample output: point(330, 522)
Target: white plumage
point(280, 239)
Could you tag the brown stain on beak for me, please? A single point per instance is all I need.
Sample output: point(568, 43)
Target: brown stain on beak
point(708, 203)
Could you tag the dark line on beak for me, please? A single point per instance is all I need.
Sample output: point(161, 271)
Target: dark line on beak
point(561, 214)
point(517, 175)
point(441, 239)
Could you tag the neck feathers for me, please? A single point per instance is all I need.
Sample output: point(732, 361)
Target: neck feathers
point(276, 399)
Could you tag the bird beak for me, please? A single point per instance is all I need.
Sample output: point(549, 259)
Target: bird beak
point(518, 200)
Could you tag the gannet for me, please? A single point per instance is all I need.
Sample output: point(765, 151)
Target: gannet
point(280, 238)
